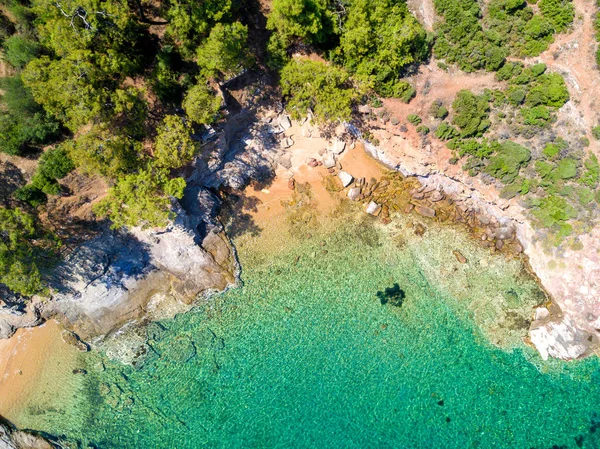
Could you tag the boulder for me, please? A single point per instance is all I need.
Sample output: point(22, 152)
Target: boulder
point(329, 160)
point(560, 339)
point(346, 178)
point(459, 256)
point(354, 193)
point(364, 109)
point(425, 211)
point(287, 142)
point(11, 438)
point(285, 122)
point(373, 208)
point(338, 146)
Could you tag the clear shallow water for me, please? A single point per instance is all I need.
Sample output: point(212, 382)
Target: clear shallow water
point(305, 355)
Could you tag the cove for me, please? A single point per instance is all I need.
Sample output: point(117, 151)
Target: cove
point(306, 354)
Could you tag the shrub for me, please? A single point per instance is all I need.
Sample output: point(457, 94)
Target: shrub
point(19, 50)
point(516, 97)
point(201, 105)
point(596, 132)
point(446, 132)
point(471, 114)
point(438, 110)
point(591, 175)
point(536, 116)
point(549, 90)
point(414, 119)
point(566, 169)
point(422, 129)
point(508, 159)
point(559, 12)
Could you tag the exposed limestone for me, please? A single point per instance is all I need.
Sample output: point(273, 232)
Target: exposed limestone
point(560, 339)
point(338, 146)
point(346, 178)
point(373, 208)
point(354, 193)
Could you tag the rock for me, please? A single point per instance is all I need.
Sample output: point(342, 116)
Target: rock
point(285, 122)
point(286, 161)
point(354, 193)
point(292, 184)
point(409, 208)
point(425, 211)
point(364, 109)
point(79, 371)
point(346, 178)
point(312, 162)
point(436, 196)
point(459, 256)
point(373, 208)
point(338, 146)
point(420, 230)
point(72, 339)
point(329, 160)
point(11, 438)
point(559, 339)
point(287, 142)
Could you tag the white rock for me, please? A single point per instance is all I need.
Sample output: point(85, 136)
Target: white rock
point(285, 122)
point(338, 146)
point(364, 109)
point(373, 208)
point(346, 178)
point(354, 193)
point(561, 340)
point(329, 160)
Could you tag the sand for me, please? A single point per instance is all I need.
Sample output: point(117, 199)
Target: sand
point(28, 361)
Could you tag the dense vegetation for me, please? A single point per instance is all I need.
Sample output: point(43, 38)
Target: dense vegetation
point(123, 91)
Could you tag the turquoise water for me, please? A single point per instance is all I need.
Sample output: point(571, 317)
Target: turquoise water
point(305, 355)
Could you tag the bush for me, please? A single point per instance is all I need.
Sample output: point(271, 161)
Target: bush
point(508, 159)
point(414, 119)
point(438, 110)
point(596, 132)
point(559, 12)
point(516, 97)
point(224, 52)
point(591, 175)
point(423, 130)
point(30, 195)
point(446, 132)
point(471, 114)
point(566, 169)
point(313, 85)
point(537, 116)
point(549, 90)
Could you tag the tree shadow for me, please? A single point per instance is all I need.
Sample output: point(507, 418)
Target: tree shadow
point(237, 214)
point(393, 296)
point(12, 179)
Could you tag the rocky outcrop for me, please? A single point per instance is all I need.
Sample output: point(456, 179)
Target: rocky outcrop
point(11, 438)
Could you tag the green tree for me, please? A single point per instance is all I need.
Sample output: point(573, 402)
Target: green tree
point(380, 39)
point(18, 268)
point(19, 50)
point(190, 21)
point(201, 105)
point(309, 20)
point(173, 147)
point(142, 198)
point(316, 86)
point(225, 51)
point(101, 151)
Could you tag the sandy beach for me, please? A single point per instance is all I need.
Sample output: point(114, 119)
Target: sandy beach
point(28, 360)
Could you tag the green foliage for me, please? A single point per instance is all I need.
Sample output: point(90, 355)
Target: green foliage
point(201, 104)
point(473, 147)
point(566, 169)
point(507, 161)
point(438, 110)
point(313, 85)
point(422, 129)
point(536, 116)
point(23, 122)
point(551, 150)
point(77, 91)
point(585, 195)
point(100, 151)
point(554, 211)
point(591, 175)
point(19, 50)
point(538, 69)
point(31, 195)
point(549, 90)
point(173, 147)
point(471, 114)
point(53, 165)
point(309, 20)
point(543, 168)
point(446, 132)
point(142, 198)
point(596, 132)
point(519, 187)
point(414, 119)
point(379, 39)
point(559, 12)
point(516, 96)
point(18, 268)
point(224, 53)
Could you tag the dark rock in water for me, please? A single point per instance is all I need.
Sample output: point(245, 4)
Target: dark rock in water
point(459, 256)
point(392, 295)
point(79, 371)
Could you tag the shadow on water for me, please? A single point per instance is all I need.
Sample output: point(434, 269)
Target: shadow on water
point(393, 296)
